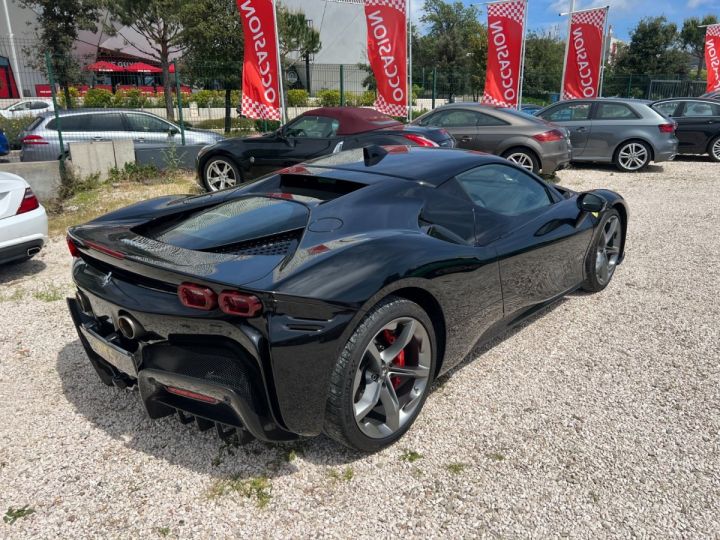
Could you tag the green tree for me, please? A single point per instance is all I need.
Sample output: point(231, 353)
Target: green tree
point(654, 49)
point(159, 22)
point(693, 38)
point(58, 23)
point(451, 29)
point(213, 41)
point(544, 57)
point(296, 35)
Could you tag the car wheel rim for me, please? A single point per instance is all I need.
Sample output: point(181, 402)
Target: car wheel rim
point(220, 175)
point(392, 378)
point(633, 156)
point(523, 160)
point(608, 251)
point(716, 149)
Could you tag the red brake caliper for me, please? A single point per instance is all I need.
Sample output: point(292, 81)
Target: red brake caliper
point(399, 360)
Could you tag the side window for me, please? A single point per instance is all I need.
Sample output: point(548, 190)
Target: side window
point(568, 112)
point(38, 105)
point(668, 108)
point(504, 190)
point(24, 106)
point(614, 111)
point(487, 120)
point(698, 108)
point(313, 127)
point(106, 122)
point(76, 122)
point(147, 124)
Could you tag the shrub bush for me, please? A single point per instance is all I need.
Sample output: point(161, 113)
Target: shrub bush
point(13, 127)
point(266, 126)
point(98, 98)
point(243, 124)
point(329, 98)
point(131, 99)
point(74, 95)
point(297, 97)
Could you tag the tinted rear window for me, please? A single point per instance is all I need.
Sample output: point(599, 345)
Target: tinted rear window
point(90, 122)
point(236, 221)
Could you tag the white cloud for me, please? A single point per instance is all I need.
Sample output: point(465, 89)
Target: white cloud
point(693, 4)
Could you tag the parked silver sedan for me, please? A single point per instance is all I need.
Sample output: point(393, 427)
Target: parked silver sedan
point(625, 132)
point(519, 137)
point(41, 141)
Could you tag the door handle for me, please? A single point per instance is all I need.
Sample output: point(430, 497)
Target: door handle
point(466, 139)
point(581, 129)
point(97, 139)
point(140, 139)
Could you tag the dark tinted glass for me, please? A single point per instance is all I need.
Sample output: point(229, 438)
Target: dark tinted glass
point(316, 127)
point(699, 108)
point(89, 122)
point(147, 123)
point(614, 111)
point(504, 190)
point(668, 108)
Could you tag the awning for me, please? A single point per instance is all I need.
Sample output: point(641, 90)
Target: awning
point(142, 67)
point(105, 67)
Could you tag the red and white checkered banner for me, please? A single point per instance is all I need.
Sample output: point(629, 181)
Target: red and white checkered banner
point(387, 53)
point(261, 73)
point(712, 57)
point(583, 63)
point(506, 32)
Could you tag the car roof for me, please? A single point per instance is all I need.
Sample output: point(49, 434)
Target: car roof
point(709, 101)
point(507, 113)
point(73, 112)
point(356, 119)
point(431, 166)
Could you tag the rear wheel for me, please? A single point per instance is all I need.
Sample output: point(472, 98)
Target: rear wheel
point(604, 254)
point(382, 377)
point(523, 157)
point(221, 173)
point(714, 149)
point(632, 156)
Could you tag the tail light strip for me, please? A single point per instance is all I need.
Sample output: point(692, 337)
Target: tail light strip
point(204, 298)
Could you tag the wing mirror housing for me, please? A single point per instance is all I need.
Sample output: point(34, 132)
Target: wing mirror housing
point(592, 202)
point(173, 131)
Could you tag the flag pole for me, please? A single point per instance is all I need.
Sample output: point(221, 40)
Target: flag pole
point(522, 58)
point(567, 48)
point(604, 51)
point(283, 109)
point(408, 14)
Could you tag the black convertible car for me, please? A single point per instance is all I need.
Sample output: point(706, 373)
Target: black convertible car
point(328, 296)
point(313, 134)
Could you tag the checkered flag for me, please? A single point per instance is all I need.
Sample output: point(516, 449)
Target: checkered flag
point(513, 10)
point(713, 30)
point(594, 17)
point(400, 5)
point(257, 110)
point(389, 108)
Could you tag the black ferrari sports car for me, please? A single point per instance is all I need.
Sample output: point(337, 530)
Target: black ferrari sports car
point(311, 135)
point(327, 297)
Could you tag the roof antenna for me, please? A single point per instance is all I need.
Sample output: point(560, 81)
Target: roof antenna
point(373, 154)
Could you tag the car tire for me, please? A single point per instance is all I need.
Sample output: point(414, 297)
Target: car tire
point(604, 253)
point(714, 149)
point(221, 173)
point(363, 388)
point(632, 156)
point(524, 158)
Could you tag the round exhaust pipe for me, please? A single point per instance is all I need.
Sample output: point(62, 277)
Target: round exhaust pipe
point(130, 328)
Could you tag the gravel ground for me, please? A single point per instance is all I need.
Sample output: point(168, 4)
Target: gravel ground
point(601, 417)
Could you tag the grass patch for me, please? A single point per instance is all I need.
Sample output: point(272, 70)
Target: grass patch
point(163, 531)
point(456, 467)
point(94, 200)
point(411, 456)
point(13, 514)
point(345, 476)
point(291, 456)
point(14, 296)
point(51, 293)
point(258, 488)
point(495, 456)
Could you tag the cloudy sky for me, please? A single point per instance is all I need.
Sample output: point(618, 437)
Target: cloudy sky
point(624, 14)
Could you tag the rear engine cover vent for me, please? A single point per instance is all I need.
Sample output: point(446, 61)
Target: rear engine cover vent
point(277, 245)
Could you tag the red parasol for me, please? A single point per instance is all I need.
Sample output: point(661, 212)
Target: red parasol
point(105, 67)
point(142, 67)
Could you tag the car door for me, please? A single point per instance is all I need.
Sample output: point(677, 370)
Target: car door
point(493, 131)
point(575, 116)
point(39, 107)
point(535, 231)
point(698, 123)
point(148, 131)
point(460, 123)
point(610, 124)
point(20, 110)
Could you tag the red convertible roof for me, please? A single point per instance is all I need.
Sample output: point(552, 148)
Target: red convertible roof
point(355, 119)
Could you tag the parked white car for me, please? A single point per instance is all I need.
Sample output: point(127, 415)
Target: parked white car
point(27, 107)
point(23, 221)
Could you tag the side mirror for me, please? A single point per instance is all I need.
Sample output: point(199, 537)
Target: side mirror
point(592, 202)
point(173, 131)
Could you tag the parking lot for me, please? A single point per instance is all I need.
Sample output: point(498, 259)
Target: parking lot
point(599, 417)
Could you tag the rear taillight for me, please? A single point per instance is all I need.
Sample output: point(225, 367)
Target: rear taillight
point(191, 395)
point(28, 203)
point(668, 128)
point(421, 141)
point(197, 296)
point(550, 136)
point(72, 247)
point(239, 304)
point(33, 140)
point(103, 249)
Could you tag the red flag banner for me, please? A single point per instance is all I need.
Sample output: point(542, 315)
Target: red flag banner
point(712, 57)
point(584, 54)
point(261, 81)
point(387, 53)
point(506, 32)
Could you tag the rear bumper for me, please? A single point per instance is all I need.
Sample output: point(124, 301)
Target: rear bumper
point(666, 151)
point(21, 233)
point(228, 384)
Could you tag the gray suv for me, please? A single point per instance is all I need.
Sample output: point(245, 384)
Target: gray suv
point(40, 141)
point(519, 137)
point(625, 132)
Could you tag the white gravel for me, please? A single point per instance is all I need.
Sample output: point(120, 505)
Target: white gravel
point(599, 418)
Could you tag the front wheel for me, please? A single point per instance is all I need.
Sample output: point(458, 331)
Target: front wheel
point(603, 257)
point(220, 173)
point(632, 156)
point(714, 149)
point(382, 377)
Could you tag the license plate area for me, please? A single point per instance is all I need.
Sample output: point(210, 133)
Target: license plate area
point(113, 354)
